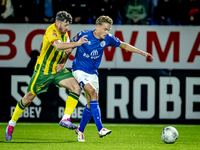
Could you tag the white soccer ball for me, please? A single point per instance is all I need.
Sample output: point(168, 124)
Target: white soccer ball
point(169, 135)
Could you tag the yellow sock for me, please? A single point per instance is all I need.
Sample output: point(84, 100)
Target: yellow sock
point(71, 102)
point(18, 111)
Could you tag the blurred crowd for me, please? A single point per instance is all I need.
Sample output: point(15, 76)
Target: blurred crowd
point(135, 12)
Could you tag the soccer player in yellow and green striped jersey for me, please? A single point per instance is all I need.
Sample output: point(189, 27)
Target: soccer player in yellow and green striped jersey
point(49, 69)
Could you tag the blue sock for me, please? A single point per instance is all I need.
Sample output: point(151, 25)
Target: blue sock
point(86, 116)
point(96, 113)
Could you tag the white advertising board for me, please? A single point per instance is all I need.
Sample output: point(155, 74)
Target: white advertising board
point(173, 47)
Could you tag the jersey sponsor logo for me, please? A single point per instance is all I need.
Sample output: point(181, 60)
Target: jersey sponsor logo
point(86, 55)
point(103, 43)
point(94, 54)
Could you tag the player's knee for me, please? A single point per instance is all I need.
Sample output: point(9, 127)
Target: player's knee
point(94, 94)
point(28, 98)
point(76, 89)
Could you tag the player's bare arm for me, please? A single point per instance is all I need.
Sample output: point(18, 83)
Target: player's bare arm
point(61, 64)
point(68, 52)
point(133, 49)
point(65, 45)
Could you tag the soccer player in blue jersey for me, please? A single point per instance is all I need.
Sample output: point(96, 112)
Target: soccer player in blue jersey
point(86, 62)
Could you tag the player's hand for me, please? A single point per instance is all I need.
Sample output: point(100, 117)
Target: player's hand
point(82, 40)
point(68, 51)
point(59, 67)
point(147, 55)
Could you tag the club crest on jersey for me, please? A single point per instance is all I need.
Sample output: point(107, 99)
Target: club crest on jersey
point(103, 43)
point(54, 34)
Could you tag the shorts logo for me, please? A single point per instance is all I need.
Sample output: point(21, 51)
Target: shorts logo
point(103, 43)
point(86, 79)
point(38, 88)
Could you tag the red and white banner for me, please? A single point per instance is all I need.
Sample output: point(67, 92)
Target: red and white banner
point(173, 47)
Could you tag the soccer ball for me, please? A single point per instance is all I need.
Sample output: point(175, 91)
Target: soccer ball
point(169, 135)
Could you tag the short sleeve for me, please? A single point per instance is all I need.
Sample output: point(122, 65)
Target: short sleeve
point(52, 35)
point(77, 37)
point(113, 41)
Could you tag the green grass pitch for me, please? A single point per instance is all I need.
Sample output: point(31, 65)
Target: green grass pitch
point(50, 136)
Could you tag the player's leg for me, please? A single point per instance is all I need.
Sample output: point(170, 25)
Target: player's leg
point(86, 117)
point(90, 84)
point(94, 105)
point(73, 96)
point(67, 80)
point(39, 83)
point(92, 90)
point(21, 105)
point(82, 77)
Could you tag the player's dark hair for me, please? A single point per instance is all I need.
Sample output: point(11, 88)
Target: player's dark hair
point(63, 16)
point(104, 19)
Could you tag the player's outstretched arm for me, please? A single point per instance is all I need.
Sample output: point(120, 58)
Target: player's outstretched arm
point(65, 45)
point(133, 49)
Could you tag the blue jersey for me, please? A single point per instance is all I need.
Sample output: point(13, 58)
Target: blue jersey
point(88, 55)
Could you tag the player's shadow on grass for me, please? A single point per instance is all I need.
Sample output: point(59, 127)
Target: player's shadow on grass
point(27, 142)
point(20, 140)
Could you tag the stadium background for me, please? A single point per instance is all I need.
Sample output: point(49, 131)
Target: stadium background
point(133, 89)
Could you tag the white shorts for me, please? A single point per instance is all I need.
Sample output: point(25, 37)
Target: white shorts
point(84, 78)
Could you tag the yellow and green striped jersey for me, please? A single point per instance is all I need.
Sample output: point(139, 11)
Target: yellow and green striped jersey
point(49, 56)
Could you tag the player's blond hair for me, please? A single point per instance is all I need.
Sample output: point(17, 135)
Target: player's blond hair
point(104, 19)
